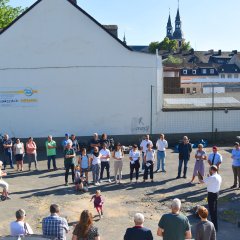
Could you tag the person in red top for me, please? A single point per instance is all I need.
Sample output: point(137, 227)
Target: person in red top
point(98, 203)
point(31, 153)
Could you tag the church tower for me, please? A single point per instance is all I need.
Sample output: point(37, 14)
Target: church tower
point(169, 28)
point(178, 34)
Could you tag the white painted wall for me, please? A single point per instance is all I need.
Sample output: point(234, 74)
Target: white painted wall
point(98, 84)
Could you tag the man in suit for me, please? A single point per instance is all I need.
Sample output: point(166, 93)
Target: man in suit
point(138, 232)
point(184, 149)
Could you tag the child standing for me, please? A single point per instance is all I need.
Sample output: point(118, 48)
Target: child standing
point(149, 159)
point(98, 203)
point(84, 163)
point(77, 179)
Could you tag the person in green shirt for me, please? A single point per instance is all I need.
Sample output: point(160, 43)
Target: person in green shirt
point(69, 156)
point(174, 225)
point(51, 152)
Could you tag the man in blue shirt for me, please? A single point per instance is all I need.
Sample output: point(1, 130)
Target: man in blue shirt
point(138, 232)
point(7, 145)
point(184, 149)
point(54, 225)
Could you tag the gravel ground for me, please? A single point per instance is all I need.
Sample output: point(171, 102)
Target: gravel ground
point(35, 191)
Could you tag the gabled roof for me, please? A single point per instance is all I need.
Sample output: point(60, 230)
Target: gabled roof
point(229, 68)
point(76, 6)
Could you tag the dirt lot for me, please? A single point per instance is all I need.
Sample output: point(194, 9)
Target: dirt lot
point(35, 191)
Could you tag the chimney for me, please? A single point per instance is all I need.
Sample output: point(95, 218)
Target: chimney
point(219, 52)
point(113, 29)
point(211, 51)
point(73, 1)
point(234, 51)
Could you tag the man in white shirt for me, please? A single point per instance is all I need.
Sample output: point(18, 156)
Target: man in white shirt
point(19, 227)
point(161, 145)
point(143, 147)
point(215, 158)
point(105, 163)
point(213, 183)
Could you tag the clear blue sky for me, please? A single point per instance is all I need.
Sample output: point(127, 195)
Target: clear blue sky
point(207, 24)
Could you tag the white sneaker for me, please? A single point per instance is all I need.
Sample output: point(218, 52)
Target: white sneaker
point(109, 180)
point(100, 180)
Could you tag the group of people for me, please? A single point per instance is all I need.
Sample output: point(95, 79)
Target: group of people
point(173, 225)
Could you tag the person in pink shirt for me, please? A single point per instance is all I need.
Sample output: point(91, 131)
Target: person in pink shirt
point(31, 153)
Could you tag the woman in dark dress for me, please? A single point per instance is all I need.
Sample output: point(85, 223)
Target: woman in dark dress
point(85, 230)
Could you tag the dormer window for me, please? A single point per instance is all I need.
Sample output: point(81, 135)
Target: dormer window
point(204, 71)
point(194, 72)
point(211, 71)
point(185, 71)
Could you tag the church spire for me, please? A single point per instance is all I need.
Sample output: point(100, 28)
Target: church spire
point(178, 34)
point(124, 39)
point(169, 27)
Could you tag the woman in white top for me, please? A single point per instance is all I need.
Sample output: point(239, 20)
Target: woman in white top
point(96, 165)
point(3, 184)
point(134, 156)
point(18, 151)
point(118, 156)
point(20, 227)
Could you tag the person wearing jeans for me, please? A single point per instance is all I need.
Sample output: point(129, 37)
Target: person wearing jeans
point(51, 152)
point(31, 153)
point(134, 156)
point(69, 156)
point(161, 145)
point(184, 149)
point(105, 161)
point(236, 165)
point(149, 159)
point(95, 165)
point(7, 146)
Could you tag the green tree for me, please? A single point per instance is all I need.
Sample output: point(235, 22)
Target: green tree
point(186, 46)
point(173, 60)
point(8, 13)
point(169, 45)
point(153, 46)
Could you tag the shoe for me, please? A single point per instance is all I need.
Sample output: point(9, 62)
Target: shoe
point(164, 171)
point(178, 177)
point(12, 167)
point(8, 198)
point(184, 177)
point(233, 186)
point(109, 180)
point(158, 170)
point(97, 183)
point(100, 180)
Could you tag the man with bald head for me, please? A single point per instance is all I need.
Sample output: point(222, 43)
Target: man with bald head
point(174, 225)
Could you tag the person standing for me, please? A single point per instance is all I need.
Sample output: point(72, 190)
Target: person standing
point(105, 161)
point(84, 163)
point(85, 228)
point(31, 153)
point(184, 149)
point(134, 156)
point(149, 159)
point(215, 158)
point(161, 145)
point(3, 184)
point(143, 147)
point(75, 146)
point(20, 227)
point(95, 142)
point(205, 229)
point(69, 156)
point(18, 151)
point(174, 225)
point(138, 232)
point(7, 151)
point(118, 156)
point(199, 164)
point(213, 183)
point(54, 225)
point(51, 147)
point(236, 165)
point(104, 140)
point(65, 141)
point(95, 165)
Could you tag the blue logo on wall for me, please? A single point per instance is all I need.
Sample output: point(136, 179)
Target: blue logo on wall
point(28, 92)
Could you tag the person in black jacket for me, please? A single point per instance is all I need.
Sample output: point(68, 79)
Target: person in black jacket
point(184, 149)
point(138, 232)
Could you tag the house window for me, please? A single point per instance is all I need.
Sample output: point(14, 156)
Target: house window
point(204, 71)
point(194, 90)
point(229, 75)
point(188, 90)
point(211, 71)
point(222, 75)
point(194, 72)
point(185, 71)
point(235, 75)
